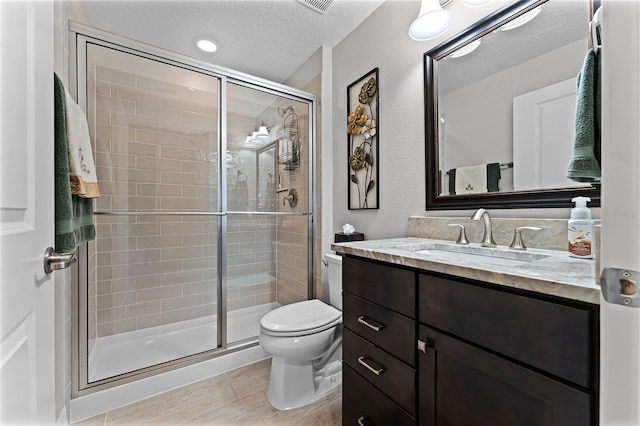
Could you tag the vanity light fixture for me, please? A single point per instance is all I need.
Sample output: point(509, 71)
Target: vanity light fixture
point(263, 132)
point(466, 49)
point(205, 44)
point(521, 20)
point(432, 20)
point(254, 138)
point(250, 141)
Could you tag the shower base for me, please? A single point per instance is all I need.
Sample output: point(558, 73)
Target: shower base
point(130, 351)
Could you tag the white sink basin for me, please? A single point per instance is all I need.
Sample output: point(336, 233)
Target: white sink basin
point(475, 254)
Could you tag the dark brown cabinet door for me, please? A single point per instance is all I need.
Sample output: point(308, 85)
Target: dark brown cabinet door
point(460, 384)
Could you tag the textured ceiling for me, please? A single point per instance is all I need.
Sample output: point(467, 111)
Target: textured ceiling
point(559, 23)
point(265, 38)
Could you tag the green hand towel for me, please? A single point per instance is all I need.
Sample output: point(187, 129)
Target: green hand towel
point(585, 163)
point(73, 214)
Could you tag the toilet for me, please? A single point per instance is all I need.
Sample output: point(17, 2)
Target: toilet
point(305, 340)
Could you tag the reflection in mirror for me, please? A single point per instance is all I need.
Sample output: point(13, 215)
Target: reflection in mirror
point(265, 177)
point(502, 98)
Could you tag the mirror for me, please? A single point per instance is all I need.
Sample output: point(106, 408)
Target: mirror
point(504, 94)
point(266, 177)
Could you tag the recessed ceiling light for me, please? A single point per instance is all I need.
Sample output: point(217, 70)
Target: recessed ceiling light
point(205, 44)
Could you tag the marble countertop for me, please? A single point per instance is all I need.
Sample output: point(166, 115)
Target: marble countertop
point(555, 273)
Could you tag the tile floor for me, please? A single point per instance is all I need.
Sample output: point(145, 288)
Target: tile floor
point(237, 397)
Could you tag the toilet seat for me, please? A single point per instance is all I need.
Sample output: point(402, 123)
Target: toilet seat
point(301, 318)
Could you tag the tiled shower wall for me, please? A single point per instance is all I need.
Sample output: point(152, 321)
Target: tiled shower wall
point(155, 150)
point(292, 253)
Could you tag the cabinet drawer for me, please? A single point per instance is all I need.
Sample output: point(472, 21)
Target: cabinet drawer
point(550, 336)
point(388, 286)
point(395, 333)
point(387, 373)
point(363, 404)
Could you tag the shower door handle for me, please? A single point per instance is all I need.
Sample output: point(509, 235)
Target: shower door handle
point(54, 261)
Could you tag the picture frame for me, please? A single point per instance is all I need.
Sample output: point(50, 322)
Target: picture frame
point(362, 142)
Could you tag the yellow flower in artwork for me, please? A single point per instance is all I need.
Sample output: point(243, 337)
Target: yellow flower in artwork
point(355, 121)
point(368, 91)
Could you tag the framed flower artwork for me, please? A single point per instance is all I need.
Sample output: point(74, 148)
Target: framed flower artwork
point(362, 141)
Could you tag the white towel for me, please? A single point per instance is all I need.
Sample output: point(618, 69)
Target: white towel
point(471, 180)
point(82, 170)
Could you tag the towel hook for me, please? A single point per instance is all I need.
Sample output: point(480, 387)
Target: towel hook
point(54, 261)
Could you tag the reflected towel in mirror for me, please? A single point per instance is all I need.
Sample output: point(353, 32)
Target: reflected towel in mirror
point(474, 179)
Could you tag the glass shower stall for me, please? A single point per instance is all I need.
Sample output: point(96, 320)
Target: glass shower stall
point(205, 220)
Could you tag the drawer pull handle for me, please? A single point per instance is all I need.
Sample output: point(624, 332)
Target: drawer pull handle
point(376, 371)
point(361, 421)
point(374, 326)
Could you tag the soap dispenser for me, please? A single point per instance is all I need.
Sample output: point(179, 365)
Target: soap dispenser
point(581, 229)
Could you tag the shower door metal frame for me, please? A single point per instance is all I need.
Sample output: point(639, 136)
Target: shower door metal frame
point(80, 37)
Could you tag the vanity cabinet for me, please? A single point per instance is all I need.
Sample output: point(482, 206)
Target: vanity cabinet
point(496, 357)
point(378, 345)
point(432, 349)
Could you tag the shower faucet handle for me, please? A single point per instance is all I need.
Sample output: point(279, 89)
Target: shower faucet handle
point(292, 198)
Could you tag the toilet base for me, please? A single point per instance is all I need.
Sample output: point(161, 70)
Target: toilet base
point(296, 384)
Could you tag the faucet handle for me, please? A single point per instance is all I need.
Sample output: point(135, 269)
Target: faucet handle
point(462, 237)
point(518, 243)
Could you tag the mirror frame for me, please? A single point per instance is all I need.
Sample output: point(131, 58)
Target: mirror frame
point(544, 198)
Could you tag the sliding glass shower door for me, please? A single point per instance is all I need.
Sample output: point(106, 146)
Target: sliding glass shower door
point(267, 176)
point(153, 282)
point(204, 223)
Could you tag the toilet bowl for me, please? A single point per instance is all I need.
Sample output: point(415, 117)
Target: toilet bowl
point(305, 341)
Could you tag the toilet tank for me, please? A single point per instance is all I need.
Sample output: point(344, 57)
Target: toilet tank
point(334, 265)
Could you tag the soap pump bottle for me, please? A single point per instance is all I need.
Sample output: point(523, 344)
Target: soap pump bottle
point(581, 229)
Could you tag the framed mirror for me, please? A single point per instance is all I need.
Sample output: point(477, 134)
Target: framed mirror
point(500, 103)
point(266, 177)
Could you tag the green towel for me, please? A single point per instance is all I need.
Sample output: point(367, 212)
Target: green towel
point(493, 176)
point(73, 214)
point(585, 163)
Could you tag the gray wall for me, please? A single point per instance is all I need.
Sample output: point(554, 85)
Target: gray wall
point(382, 41)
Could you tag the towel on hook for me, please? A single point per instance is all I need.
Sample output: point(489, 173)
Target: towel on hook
point(474, 179)
point(73, 214)
point(82, 170)
point(584, 165)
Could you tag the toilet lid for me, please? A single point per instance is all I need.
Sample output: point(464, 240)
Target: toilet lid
point(300, 316)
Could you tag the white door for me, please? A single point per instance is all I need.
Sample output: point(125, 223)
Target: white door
point(543, 134)
point(620, 324)
point(27, 330)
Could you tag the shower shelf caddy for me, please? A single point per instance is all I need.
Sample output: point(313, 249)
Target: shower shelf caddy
point(289, 151)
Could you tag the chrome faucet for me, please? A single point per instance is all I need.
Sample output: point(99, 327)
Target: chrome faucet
point(487, 238)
